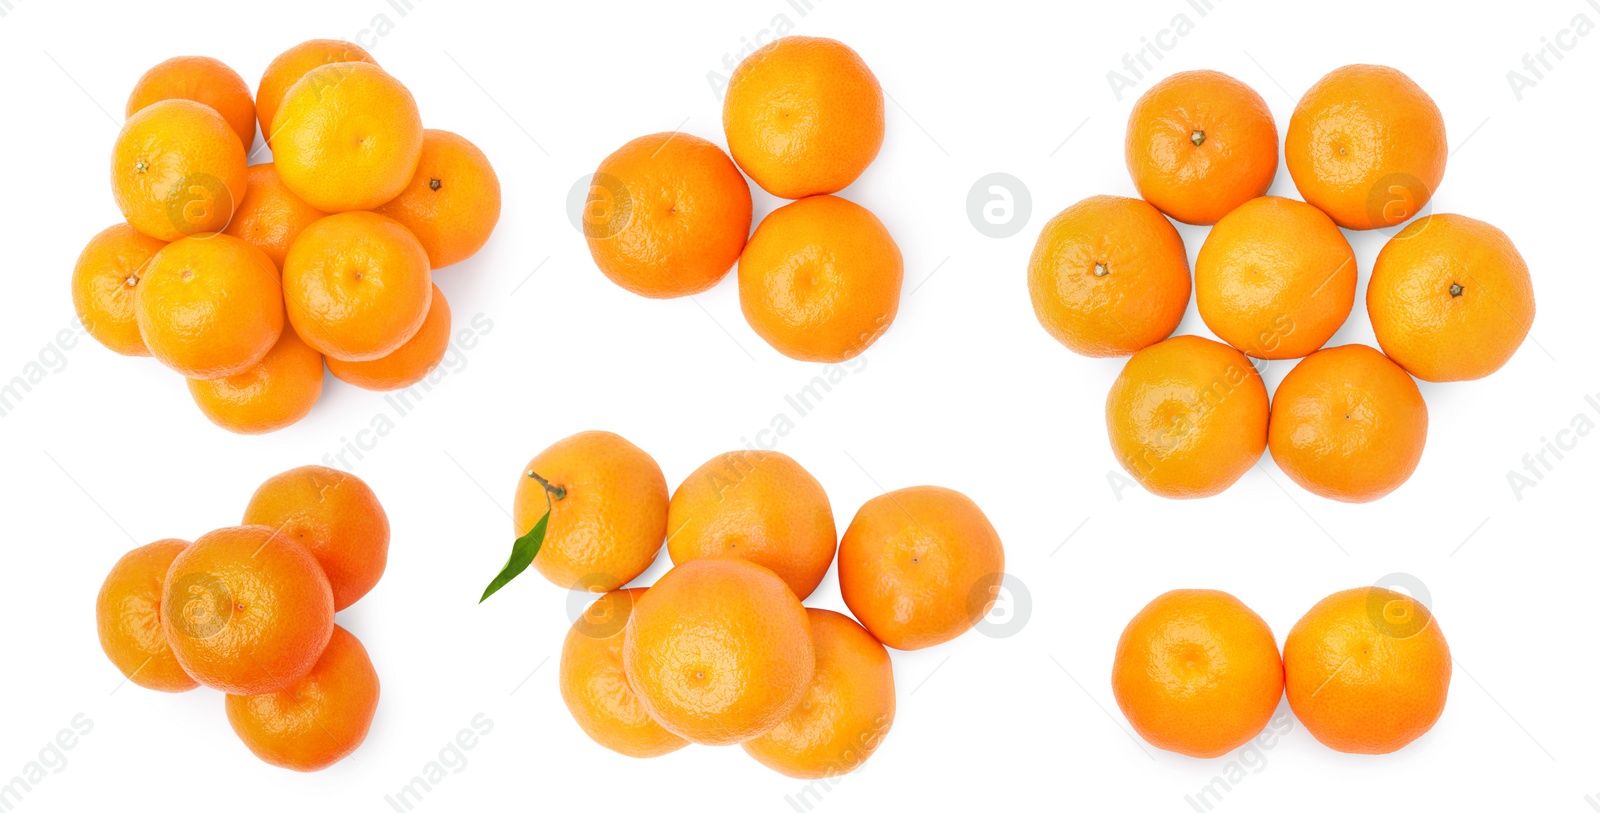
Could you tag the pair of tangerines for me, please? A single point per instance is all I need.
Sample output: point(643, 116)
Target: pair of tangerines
point(668, 215)
point(1366, 671)
point(721, 650)
point(249, 610)
point(244, 279)
point(1449, 297)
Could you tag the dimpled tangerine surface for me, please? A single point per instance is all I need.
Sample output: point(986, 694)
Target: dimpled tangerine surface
point(612, 521)
point(357, 285)
point(348, 136)
point(1109, 276)
point(210, 306)
point(1187, 417)
point(719, 651)
point(820, 279)
point(319, 720)
point(1235, 160)
point(667, 215)
point(1197, 672)
point(919, 566)
point(1367, 670)
point(128, 618)
point(336, 516)
point(804, 116)
point(1367, 146)
point(247, 610)
point(177, 169)
point(1275, 278)
point(104, 282)
point(846, 712)
point(1450, 298)
point(1348, 424)
point(596, 688)
point(756, 505)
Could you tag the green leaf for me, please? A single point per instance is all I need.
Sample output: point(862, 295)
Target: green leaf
point(522, 552)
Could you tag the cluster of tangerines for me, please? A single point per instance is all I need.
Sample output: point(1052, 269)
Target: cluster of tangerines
point(1449, 297)
point(720, 650)
point(1366, 671)
point(338, 235)
point(667, 215)
point(249, 610)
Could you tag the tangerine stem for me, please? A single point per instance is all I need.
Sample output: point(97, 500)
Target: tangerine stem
point(556, 492)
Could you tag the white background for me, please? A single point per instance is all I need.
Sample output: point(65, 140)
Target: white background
point(966, 391)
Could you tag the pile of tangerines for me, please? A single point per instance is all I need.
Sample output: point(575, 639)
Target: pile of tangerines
point(1449, 297)
point(668, 215)
point(249, 610)
point(1198, 673)
point(245, 279)
point(721, 650)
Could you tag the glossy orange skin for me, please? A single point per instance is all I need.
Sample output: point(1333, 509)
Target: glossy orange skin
point(1424, 324)
point(804, 116)
point(357, 286)
point(274, 393)
point(1348, 424)
point(410, 362)
point(610, 524)
point(177, 169)
point(1367, 146)
point(209, 306)
point(1187, 417)
point(1235, 160)
point(453, 200)
point(290, 66)
point(348, 137)
point(596, 689)
point(667, 215)
point(1275, 278)
point(820, 279)
point(204, 80)
point(270, 217)
point(104, 282)
point(336, 517)
point(1197, 672)
point(321, 719)
point(719, 651)
point(1109, 277)
point(847, 710)
point(1367, 670)
point(760, 506)
point(920, 566)
point(246, 610)
point(128, 618)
